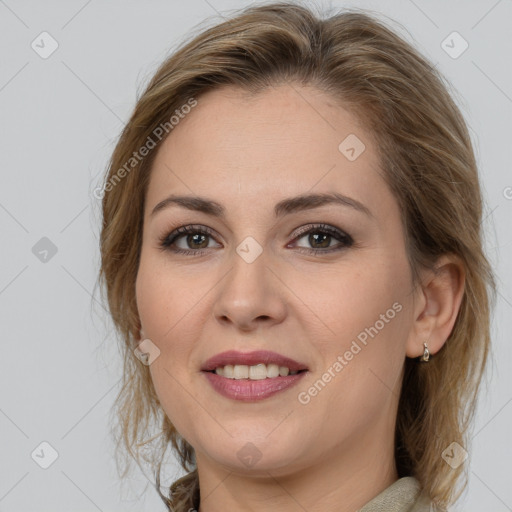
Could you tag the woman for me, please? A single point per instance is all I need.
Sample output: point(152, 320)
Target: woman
point(292, 253)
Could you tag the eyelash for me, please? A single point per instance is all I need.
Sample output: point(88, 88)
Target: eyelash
point(166, 241)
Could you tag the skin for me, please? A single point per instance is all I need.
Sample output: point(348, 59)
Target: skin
point(248, 152)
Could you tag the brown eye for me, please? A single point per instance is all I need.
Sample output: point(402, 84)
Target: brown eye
point(319, 238)
point(322, 239)
point(196, 239)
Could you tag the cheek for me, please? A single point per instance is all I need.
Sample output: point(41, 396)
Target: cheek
point(165, 305)
point(347, 301)
point(366, 313)
point(173, 307)
point(165, 298)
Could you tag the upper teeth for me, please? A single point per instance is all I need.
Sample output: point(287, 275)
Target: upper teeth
point(255, 372)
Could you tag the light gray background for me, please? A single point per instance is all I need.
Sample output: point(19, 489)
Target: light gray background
point(60, 117)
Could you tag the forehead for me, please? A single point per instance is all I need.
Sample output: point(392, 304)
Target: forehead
point(282, 141)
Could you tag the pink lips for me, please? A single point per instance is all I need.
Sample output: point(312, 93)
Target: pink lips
point(251, 390)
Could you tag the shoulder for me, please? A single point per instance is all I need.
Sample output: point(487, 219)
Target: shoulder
point(404, 495)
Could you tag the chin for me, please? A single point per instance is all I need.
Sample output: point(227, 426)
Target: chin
point(258, 455)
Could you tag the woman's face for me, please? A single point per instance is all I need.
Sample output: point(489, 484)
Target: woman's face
point(324, 283)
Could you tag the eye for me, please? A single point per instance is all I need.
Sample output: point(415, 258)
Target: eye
point(320, 236)
point(196, 239)
point(194, 236)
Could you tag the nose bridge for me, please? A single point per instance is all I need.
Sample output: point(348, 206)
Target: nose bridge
point(250, 291)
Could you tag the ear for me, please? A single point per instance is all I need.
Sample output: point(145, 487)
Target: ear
point(437, 303)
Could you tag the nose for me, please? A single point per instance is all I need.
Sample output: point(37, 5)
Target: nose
point(250, 295)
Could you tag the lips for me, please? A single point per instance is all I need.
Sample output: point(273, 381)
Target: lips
point(233, 357)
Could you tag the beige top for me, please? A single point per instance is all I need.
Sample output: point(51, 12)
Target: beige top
point(402, 496)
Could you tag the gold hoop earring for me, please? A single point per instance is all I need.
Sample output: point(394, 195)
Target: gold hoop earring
point(426, 353)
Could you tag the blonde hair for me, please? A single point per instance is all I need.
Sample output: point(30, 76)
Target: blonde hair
point(427, 159)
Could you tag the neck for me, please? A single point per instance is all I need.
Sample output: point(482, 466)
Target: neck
point(344, 480)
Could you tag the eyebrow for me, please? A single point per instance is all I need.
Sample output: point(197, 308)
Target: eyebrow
point(284, 207)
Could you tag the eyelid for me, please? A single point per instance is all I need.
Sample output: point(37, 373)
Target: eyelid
point(297, 233)
point(345, 241)
point(173, 234)
point(320, 226)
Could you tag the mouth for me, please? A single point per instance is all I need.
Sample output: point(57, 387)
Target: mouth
point(252, 376)
point(258, 371)
point(256, 365)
